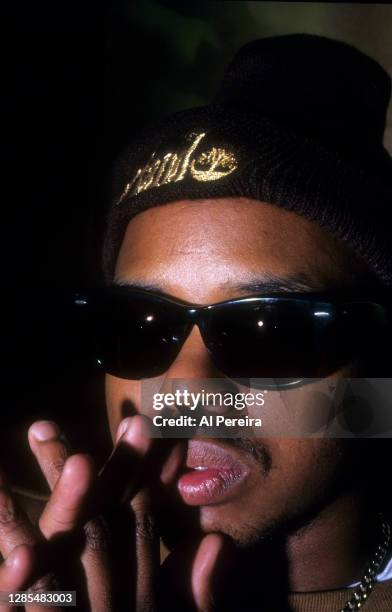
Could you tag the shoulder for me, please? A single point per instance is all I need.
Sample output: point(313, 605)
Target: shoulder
point(380, 599)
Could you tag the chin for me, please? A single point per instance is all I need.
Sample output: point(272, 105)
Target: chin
point(219, 519)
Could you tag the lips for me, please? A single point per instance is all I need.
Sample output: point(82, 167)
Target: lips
point(213, 474)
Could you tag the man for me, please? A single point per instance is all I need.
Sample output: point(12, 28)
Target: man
point(277, 191)
point(263, 192)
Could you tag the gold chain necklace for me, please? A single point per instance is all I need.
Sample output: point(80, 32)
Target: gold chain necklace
point(366, 585)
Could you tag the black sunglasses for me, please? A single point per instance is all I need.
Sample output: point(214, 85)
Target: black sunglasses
point(138, 334)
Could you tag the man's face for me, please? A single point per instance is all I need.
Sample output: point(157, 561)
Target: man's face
point(209, 251)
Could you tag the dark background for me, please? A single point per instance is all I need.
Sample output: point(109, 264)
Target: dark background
point(77, 80)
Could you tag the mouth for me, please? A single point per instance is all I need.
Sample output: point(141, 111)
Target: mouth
point(212, 476)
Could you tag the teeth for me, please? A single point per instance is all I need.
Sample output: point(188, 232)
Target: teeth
point(200, 468)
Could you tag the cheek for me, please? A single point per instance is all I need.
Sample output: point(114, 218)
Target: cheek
point(305, 455)
point(123, 398)
point(304, 470)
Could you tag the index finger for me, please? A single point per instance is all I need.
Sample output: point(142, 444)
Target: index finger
point(135, 460)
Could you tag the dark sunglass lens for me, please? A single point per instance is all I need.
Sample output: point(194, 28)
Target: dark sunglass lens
point(138, 336)
point(262, 340)
point(280, 338)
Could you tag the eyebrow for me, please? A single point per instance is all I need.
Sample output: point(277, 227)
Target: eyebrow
point(266, 284)
point(275, 284)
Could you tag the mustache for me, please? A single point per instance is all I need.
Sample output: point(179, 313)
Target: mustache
point(256, 450)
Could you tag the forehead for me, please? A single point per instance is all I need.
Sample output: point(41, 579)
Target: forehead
point(203, 249)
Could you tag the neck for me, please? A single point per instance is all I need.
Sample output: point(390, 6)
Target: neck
point(334, 548)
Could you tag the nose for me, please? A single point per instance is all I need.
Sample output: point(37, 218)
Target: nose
point(194, 370)
point(193, 360)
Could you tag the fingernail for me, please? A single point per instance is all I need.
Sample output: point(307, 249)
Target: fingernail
point(45, 430)
point(122, 428)
point(136, 432)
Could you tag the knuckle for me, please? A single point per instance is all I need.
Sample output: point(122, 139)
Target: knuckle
point(145, 526)
point(62, 508)
point(145, 605)
point(47, 583)
point(54, 523)
point(55, 519)
point(97, 535)
point(9, 514)
point(54, 467)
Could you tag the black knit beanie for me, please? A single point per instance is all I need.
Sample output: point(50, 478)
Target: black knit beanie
point(297, 122)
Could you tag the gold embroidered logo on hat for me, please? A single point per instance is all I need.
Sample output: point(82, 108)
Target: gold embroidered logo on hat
point(209, 165)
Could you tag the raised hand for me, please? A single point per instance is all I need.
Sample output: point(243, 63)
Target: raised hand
point(71, 547)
